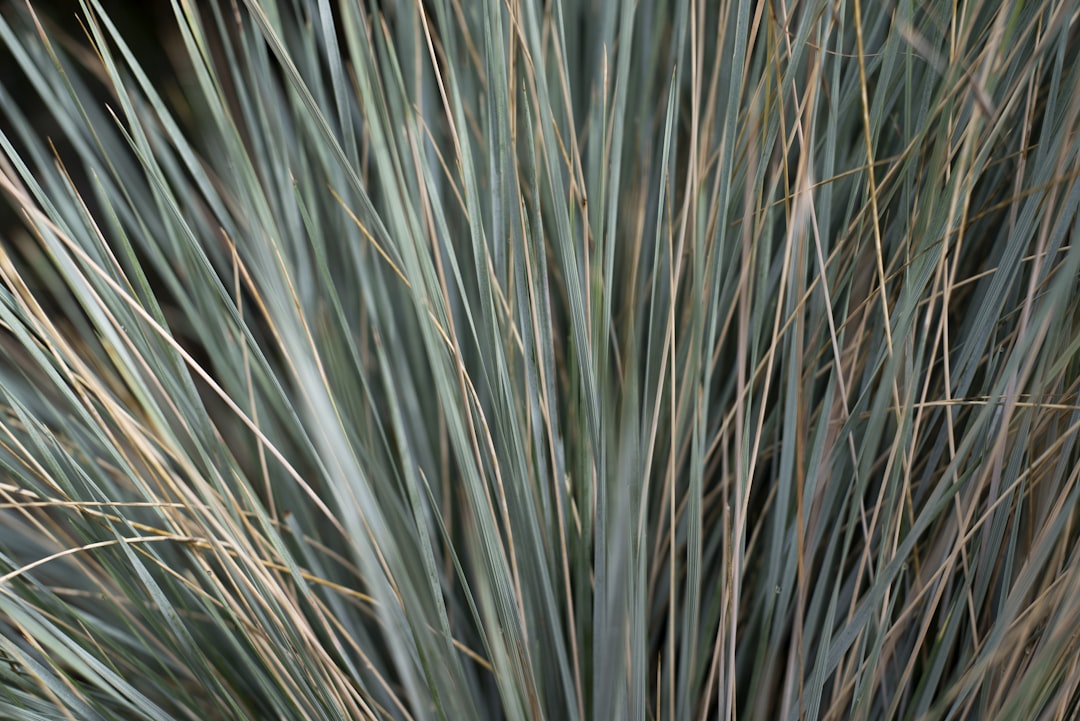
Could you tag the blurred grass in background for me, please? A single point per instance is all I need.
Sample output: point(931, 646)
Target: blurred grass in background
point(566, 360)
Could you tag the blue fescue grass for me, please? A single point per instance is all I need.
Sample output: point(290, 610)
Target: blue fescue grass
point(524, 360)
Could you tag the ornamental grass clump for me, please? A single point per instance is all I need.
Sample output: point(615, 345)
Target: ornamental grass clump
point(540, 360)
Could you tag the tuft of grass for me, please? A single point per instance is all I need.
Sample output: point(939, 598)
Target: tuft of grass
point(518, 360)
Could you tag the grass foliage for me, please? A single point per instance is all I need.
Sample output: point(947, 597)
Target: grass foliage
point(542, 360)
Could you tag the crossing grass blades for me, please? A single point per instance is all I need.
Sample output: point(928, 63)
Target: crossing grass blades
point(533, 360)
